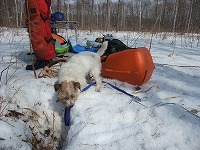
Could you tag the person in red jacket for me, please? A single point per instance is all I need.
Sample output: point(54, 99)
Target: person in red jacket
point(38, 24)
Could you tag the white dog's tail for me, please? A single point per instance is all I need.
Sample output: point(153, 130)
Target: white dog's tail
point(103, 48)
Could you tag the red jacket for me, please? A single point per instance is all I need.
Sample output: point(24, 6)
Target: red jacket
point(38, 12)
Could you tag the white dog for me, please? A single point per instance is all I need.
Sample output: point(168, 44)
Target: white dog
point(73, 76)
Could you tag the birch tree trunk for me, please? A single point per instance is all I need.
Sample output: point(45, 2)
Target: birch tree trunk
point(68, 10)
point(16, 14)
point(133, 12)
point(175, 15)
point(91, 15)
point(7, 11)
point(122, 16)
point(107, 16)
point(140, 15)
point(82, 14)
point(190, 16)
point(97, 16)
point(21, 13)
point(162, 20)
point(117, 19)
point(58, 5)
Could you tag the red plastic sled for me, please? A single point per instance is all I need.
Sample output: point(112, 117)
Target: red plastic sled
point(134, 66)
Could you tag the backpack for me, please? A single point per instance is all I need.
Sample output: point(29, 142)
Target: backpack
point(61, 44)
point(57, 16)
point(114, 46)
point(108, 37)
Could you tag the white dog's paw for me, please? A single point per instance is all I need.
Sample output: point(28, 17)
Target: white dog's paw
point(97, 89)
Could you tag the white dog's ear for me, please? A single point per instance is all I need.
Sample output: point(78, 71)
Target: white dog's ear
point(57, 86)
point(78, 85)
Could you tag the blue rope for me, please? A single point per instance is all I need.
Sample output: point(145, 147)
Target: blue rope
point(67, 109)
point(67, 116)
point(120, 90)
point(134, 98)
point(87, 87)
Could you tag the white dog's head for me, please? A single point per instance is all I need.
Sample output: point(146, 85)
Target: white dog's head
point(67, 92)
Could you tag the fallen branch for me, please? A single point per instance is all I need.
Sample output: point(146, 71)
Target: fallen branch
point(46, 115)
point(141, 91)
point(178, 65)
point(53, 144)
point(167, 98)
point(50, 72)
point(193, 112)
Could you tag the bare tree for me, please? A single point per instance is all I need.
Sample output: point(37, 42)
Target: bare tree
point(122, 16)
point(58, 5)
point(175, 15)
point(162, 22)
point(7, 13)
point(135, 15)
point(21, 20)
point(190, 16)
point(107, 15)
point(82, 14)
point(140, 15)
point(91, 15)
point(16, 13)
point(117, 19)
point(97, 15)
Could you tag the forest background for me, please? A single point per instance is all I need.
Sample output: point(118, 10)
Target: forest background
point(181, 16)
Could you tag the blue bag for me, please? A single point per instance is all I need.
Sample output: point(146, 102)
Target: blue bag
point(57, 16)
point(79, 48)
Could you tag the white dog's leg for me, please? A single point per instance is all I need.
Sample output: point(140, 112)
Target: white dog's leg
point(96, 74)
point(83, 83)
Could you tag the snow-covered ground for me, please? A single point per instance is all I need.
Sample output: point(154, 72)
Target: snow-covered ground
point(30, 117)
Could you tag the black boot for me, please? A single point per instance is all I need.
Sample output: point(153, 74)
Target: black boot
point(29, 53)
point(38, 65)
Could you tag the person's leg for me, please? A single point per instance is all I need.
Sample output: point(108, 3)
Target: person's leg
point(41, 38)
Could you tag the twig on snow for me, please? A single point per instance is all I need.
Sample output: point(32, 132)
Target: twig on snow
point(1, 113)
point(53, 131)
point(6, 69)
point(6, 122)
point(189, 111)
